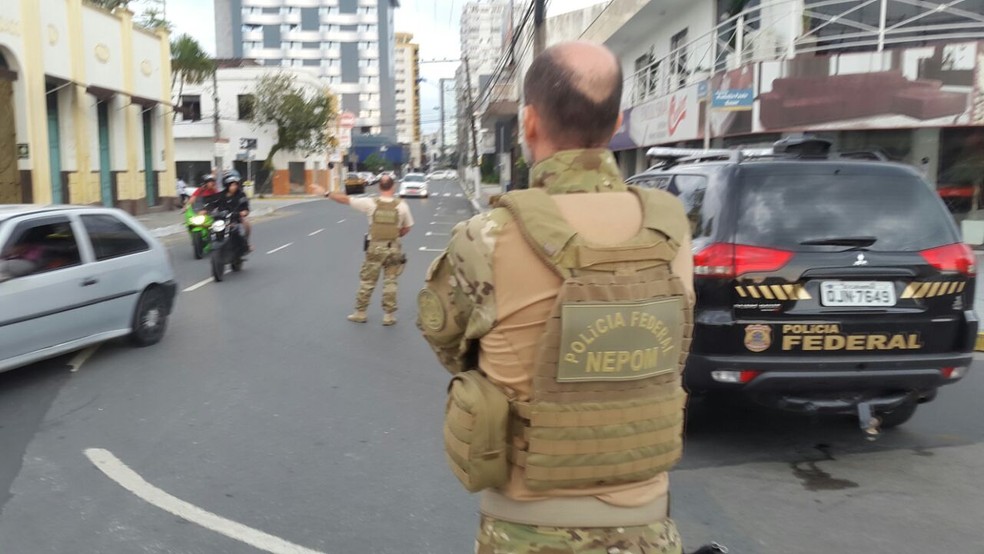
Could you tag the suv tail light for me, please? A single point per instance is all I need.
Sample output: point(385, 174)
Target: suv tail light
point(952, 257)
point(725, 260)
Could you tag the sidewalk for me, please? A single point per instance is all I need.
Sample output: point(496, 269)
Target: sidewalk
point(162, 224)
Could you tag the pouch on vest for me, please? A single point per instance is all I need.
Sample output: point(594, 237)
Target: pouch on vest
point(475, 431)
point(607, 399)
point(385, 221)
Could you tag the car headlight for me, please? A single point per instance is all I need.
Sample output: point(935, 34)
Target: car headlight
point(198, 220)
point(219, 226)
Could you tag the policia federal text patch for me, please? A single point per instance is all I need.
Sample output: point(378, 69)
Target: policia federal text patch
point(610, 341)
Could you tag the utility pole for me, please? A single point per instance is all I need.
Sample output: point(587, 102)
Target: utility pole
point(441, 83)
point(539, 27)
point(471, 112)
point(217, 125)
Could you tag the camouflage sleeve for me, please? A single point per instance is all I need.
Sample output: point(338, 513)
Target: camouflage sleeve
point(457, 305)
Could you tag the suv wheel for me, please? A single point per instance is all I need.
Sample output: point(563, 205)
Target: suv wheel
point(150, 319)
point(898, 416)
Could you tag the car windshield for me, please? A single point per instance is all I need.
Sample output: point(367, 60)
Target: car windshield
point(414, 179)
point(786, 209)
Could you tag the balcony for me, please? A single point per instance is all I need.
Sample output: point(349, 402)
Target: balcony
point(501, 100)
point(783, 30)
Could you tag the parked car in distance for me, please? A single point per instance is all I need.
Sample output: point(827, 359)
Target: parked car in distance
point(825, 283)
point(355, 184)
point(414, 184)
point(71, 277)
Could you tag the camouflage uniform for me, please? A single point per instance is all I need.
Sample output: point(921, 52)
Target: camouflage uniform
point(458, 307)
point(501, 537)
point(381, 257)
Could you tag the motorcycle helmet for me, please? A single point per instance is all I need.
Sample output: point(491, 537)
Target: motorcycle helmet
point(232, 177)
point(208, 178)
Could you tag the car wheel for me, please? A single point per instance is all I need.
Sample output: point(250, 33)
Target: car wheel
point(898, 416)
point(150, 319)
point(218, 268)
point(198, 243)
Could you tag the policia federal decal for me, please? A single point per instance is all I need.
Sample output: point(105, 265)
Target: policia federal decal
point(616, 342)
point(827, 337)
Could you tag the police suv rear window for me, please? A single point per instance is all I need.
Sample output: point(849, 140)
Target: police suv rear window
point(788, 208)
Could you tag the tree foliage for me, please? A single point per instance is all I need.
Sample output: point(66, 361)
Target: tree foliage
point(300, 119)
point(375, 162)
point(152, 16)
point(189, 64)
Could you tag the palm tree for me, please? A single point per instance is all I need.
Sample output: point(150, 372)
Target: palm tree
point(189, 63)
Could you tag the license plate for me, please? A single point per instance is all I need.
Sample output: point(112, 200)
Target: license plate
point(857, 293)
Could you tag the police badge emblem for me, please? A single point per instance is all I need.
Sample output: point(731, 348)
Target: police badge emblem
point(758, 338)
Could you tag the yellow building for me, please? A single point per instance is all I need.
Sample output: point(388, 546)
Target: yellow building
point(408, 95)
point(85, 114)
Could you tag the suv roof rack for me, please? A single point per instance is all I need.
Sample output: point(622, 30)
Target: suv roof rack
point(805, 147)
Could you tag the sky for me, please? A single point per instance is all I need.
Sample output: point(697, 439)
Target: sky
point(434, 24)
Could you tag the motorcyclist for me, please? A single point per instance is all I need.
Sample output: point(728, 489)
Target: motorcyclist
point(234, 201)
point(202, 197)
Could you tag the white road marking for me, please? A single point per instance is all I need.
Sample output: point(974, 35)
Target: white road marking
point(133, 482)
point(341, 221)
point(459, 195)
point(81, 357)
point(315, 233)
point(433, 234)
point(447, 195)
point(279, 248)
point(425, 249)
point(443, 222)
point(199, 285)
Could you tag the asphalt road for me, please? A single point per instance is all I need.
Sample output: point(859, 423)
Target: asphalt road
point(265, 407)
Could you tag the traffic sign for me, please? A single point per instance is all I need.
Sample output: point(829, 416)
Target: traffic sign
point(345, 139)
point(346, 120)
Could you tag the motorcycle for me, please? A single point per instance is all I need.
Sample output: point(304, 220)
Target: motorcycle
point(198, 227)
point(228, 244)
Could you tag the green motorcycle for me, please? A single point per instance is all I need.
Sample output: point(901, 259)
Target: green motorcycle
point(198, 227)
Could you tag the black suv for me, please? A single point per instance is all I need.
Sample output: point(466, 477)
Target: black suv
point(824, 283)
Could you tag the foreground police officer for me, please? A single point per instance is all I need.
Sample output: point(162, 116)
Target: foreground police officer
point(565, 316)
point(389, 220)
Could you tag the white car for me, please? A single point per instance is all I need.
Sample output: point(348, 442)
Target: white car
point(71, 277)
point(414, 184)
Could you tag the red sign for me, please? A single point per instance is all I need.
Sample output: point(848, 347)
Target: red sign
point(346, 120)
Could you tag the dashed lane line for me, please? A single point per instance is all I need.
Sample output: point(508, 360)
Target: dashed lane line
point(279, 248)
point(315, 232)
point(433, 234)
point(425, 249)
point(130, 480)
point(341, 221)
point(199, 285)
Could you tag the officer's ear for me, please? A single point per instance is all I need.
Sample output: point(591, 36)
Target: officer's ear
point(531, 124)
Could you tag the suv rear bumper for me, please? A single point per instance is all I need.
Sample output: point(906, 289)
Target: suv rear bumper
point(827, 384)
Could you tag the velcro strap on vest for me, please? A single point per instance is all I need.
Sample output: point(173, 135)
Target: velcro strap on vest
point(601, 471)
point(455, 446)
point(460, 416)
point(596, 418)
point(598, 446)
point(588, 256)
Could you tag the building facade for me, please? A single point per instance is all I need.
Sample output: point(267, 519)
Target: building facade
point(349, 43)
point(408, 95)
point(486, 26)
point(204, 133)
point(898, 79)
point(84, 107)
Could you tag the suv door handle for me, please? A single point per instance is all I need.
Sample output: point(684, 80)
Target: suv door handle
point(89, 282)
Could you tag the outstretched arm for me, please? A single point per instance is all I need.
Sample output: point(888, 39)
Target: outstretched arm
point(339, 197)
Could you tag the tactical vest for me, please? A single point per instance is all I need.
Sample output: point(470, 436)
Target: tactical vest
point(607, 399)
point(385, 221)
